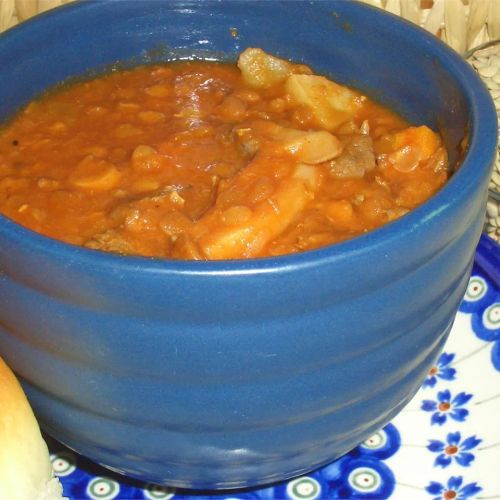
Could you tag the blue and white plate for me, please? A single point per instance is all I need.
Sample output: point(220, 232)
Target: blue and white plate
point(445, 445)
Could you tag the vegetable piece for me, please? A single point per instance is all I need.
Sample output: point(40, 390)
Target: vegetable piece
point(267, 219)
point(261, 70)
point(406, 149)
point(331, 104)
point(95, 174)
point(309, 174)
point(340, 213)
point(185, 248)
point(311, 147)
point(421, 138)
point(145, 158)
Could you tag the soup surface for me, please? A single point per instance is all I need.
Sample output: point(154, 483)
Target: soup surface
point(203, 160)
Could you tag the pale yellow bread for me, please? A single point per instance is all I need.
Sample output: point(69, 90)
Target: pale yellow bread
point(25, 468)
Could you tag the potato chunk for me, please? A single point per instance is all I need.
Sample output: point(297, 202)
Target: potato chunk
point(261, 70)
point(311, 147)
point(331, 104)
point(269, 219)
point(264, 220)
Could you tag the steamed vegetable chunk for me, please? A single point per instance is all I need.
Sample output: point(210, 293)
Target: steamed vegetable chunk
point(310, 147)
point(245, 228)
point(330, 103)
point(261, 71)
point(201, 160)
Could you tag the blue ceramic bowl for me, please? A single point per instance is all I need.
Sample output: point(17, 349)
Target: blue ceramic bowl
point(236, 373)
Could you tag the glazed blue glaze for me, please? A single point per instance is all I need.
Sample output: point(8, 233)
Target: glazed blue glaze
point(227, 374)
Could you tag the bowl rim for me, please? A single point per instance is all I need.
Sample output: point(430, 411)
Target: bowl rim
point(481, 151)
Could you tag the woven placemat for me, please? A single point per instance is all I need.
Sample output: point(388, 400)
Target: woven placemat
point(471, 27)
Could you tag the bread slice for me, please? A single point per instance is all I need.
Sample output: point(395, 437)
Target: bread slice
point(25, 469)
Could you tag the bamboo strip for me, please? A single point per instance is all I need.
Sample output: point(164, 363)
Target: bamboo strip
point(455, 24)
point(25, 8)
point(7, 10)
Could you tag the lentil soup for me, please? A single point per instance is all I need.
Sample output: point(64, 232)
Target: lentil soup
point(204, 160)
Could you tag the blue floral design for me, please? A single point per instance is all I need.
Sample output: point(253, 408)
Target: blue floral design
point(441, 370)
point(362, 473)
point(382, 445)
point(480, 293)
point(482, 302)
point(446, 406)
point(453, 489)
point(312, 486)
point(362, 477)
point(454, 448)
point(486, 326)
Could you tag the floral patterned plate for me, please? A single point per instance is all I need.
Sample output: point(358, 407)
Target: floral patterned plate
point(444, 445)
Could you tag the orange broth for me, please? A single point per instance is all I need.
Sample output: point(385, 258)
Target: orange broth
point(188, 160)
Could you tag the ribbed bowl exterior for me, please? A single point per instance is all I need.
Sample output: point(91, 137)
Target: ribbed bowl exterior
point(229, 374)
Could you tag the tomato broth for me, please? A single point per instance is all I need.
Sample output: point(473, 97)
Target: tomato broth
point(203, 160)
